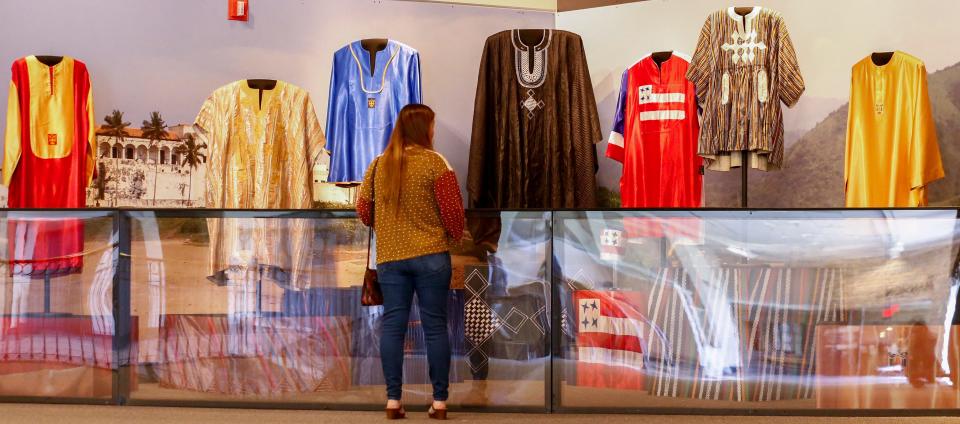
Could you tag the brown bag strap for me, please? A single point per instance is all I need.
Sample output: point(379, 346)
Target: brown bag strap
point(369, 242)
point(373, 207)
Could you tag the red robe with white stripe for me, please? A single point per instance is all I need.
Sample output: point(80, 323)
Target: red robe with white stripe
point(655, 136)
point(49, 158)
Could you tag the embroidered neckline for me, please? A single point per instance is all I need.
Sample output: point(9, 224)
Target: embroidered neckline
point(383, 76)
point(744, 46)
point(51, 70)
point(249, 96)
point(531, 78)
point(746, 21)
point(880, 73)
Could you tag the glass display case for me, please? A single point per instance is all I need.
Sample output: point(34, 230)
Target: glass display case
point(806, 311)
point(253, 332)
point(57, 317)
point(775, 310)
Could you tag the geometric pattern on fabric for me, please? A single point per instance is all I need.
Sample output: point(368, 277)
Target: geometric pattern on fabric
point(506, 323)
point(480, 321)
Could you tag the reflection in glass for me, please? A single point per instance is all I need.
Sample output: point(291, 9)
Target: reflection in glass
point(784, 309)
point(248, 333)
point(56, 322)
point(709, 309)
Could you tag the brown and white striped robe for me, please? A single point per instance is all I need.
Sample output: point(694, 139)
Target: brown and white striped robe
point(743, 67)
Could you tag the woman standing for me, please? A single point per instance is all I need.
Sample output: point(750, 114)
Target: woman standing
point(418, 213)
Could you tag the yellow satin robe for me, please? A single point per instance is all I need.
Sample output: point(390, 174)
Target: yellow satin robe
point(261, 156)
point(892, 152)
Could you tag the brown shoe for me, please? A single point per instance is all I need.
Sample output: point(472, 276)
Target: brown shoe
point(437, 414)
point(396, 413)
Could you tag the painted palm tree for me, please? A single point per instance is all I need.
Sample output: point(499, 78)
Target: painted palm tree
point(155, 129)
point(193, 155)
point(115, 128)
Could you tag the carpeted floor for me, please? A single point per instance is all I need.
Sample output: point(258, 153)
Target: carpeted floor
point(68, 414)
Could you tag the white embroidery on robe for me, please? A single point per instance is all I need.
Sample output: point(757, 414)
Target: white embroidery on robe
point(646, 95)
point(762, 90)
point(725, 92)
point(532, 104)
point(878, 94)
point(663, 115)
point(744, 47)
point(535, 77)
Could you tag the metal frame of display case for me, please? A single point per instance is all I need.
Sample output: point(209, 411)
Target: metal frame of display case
point(121, 297)
point(122, 312)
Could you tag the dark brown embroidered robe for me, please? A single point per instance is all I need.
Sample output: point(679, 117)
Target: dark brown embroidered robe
point(535, 125)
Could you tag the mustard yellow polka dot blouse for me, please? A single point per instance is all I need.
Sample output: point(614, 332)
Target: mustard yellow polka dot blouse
point(430, 214)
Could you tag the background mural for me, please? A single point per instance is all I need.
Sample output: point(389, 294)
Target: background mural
point(172, 59)
point(142, 65)
point(829, 37)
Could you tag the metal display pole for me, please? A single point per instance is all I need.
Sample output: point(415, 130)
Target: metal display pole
point(744, 168)
point(46, 292)
point(555, 364)
point(121, 310)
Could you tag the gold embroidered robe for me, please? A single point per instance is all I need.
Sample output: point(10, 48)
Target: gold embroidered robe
point(261, 155)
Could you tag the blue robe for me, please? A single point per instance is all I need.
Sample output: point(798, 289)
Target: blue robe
point(363, 105)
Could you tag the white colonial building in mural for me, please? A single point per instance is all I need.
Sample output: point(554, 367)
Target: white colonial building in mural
point(135, 165)
point(131, 164)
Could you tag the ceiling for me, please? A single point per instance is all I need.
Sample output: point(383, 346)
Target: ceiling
point(545, 5)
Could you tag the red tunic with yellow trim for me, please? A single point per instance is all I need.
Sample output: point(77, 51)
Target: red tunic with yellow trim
point(49, 158)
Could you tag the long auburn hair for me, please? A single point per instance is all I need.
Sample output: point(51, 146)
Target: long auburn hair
point(414, 127)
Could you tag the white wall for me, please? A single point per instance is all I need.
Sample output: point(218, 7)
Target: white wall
point(829, 36)
point(169, 55)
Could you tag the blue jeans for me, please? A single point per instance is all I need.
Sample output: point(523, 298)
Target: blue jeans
point(429, 277)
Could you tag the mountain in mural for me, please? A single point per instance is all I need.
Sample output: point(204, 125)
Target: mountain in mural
point(813, 176)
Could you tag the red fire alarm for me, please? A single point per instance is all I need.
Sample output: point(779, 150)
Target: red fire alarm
point(239, 10)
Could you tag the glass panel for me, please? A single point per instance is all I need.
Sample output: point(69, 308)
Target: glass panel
point(56, 322)
point(265, 307)
point(758, 310)
point(507, 310)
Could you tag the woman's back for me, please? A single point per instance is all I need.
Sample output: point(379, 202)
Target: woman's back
point(429, 211)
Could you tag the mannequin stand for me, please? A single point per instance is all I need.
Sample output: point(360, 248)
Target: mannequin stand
point(744, 201)
point(744, 169)
point(259, 310)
